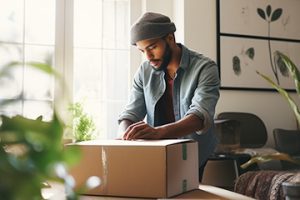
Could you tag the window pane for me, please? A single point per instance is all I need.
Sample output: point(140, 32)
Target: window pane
point(105, 116)
point(34, 109)
point(116, 64)
point(12, 109)
point(11, 83)
point(112, 111)
point(11, 20)
point(40, 22)
point(101, 63)
point(9, 53)
point(38, 84)
point(94, 108)
point(109, 24)
point(33, 21)
point(88, 23)
point(87, 74)
point(122, 27)
point(115, 24)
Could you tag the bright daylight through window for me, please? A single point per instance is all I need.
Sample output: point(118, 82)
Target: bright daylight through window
point(100, 57)
point(27, 30)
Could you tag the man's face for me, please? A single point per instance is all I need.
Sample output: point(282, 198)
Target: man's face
point(157, 51)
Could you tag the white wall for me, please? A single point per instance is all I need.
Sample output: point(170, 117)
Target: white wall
point(197, 19)
point(200, 34)
point(160, 6)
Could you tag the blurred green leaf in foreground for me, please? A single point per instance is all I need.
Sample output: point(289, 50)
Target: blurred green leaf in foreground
point(32, 152)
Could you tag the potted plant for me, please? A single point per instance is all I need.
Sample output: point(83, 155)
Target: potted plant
point(291, 188)
point(83, 124)
point(282, 61)
point(285, 61)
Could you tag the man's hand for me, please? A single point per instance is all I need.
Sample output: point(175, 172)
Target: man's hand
point(141, 130)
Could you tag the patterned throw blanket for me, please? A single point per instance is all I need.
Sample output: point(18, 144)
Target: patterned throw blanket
point(263, 185)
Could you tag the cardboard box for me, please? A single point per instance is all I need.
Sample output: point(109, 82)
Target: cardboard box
point(151, 169)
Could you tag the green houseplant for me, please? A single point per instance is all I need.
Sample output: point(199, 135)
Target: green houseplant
point(284, 61)
point(83, 124)
point(31, 151)
point(290, 188)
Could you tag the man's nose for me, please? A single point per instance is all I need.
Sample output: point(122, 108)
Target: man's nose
point(148, 55)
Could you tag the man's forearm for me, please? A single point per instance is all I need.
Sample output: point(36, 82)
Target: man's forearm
point(142, 130)
point(185, 126)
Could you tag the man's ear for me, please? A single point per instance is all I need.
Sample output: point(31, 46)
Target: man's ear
point(170, 38)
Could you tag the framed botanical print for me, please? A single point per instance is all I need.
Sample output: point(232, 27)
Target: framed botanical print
point(248, 34)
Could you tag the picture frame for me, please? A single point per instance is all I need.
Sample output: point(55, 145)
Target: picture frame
point(248, 34)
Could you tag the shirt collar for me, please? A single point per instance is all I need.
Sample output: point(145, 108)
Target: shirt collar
point(184, 61)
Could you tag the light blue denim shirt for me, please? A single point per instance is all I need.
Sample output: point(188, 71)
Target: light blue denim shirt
point(196, 91)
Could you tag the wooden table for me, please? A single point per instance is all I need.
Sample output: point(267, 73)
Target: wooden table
point(56, 192)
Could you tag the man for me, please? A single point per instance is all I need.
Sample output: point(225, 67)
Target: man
point(176, 89)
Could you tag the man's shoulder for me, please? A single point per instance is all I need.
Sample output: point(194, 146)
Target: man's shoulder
point(199, 56)
point(201, 59)
point(195, 56)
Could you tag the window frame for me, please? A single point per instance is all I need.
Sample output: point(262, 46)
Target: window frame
point(63, 95)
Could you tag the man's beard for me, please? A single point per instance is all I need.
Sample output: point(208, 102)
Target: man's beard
point(166, 59)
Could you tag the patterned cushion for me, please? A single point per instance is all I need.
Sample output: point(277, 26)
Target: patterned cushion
point(265, 184)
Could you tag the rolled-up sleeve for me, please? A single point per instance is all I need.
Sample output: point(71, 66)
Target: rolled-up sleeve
point(206, 95)
point(135, 109)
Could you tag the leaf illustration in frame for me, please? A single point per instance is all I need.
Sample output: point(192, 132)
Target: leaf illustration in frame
point(236, 64)
point(261, 13)
point(276, 14)
point(250, 53)
point(269, 10)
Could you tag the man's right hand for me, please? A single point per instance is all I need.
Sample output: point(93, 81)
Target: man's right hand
point(141, 130)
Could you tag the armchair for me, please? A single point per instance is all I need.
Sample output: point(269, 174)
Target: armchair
point(241, 135)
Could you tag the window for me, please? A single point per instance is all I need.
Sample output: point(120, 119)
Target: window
point(95, 62)
point(27, 33)
point(101, 60)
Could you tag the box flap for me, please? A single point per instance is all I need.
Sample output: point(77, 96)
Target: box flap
point(163, 142)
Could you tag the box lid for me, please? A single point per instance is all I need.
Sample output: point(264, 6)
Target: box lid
point(164, 142)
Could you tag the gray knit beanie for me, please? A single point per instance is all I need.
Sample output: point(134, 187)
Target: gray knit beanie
point(151, 25)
